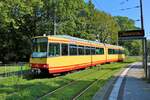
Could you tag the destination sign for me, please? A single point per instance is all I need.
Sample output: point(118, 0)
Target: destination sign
point(132, 33)
point(39, 40)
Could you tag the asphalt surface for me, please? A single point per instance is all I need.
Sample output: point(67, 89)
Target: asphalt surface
point(136, 88)
point(129, 85)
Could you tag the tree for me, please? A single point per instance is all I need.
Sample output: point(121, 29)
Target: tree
point(133, 46)
point(20, 20)
point(18, 26)
point(106, 27)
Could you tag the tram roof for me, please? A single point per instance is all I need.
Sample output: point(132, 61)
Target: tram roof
point(81, 40)
point(76, 39)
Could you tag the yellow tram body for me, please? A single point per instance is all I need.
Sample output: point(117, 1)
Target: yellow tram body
point(65, 53)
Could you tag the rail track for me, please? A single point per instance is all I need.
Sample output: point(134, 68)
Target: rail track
point(53, 90)
point(82, 91)
point(76, 96)
point(61, 87)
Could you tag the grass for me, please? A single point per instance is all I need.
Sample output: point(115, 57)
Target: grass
point(70, 91)
point(24, 88)
point(29, 87)
point(131, 59)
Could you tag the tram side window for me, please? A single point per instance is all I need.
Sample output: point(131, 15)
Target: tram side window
point(121, 51)
point(87, 50)
point(73, 49)
point(110, 51)
point(93, 51)
point(81, 50)
point(116, 51)
point(99, 51)
point(64, 49)
point(54, 49)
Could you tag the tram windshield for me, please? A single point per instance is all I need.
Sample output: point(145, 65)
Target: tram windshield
point(39, 47)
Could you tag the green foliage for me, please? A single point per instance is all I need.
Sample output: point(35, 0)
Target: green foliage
point(20, 20)
point(106, 27)
point(19, 88)
point(126, 52)
point(125, 23)
point(133, 46)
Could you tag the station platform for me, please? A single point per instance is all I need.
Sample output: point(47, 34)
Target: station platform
point(128, 85)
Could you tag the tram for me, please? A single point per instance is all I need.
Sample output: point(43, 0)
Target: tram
point(63, 53)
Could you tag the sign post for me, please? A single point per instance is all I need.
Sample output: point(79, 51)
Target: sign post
point(131, 33)
point(137, 34)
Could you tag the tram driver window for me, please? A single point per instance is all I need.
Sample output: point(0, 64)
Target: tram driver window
point(54, 49)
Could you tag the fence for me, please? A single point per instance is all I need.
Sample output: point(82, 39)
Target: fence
point(19, 69)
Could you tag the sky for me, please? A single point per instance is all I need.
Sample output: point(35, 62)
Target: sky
point(114, 7)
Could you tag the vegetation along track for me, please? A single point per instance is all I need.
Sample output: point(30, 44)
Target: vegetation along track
point(63, 79)
point(11, 70)
point(93, 79)
point(26, 88)
point(8, 74)
point(61, 87)
point(76, 96)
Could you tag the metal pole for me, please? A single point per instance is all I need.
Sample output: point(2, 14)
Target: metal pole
point(144, 56)
point(55, 23)
point(144, 42)
point(55, 18)
point(142, 27)
point(146, 66)
point(141, 11)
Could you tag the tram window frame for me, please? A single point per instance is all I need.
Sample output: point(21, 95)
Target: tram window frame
point(57, 50)
point(81, 50)
point(73, 50)
point(64, 49)
point(99, 51)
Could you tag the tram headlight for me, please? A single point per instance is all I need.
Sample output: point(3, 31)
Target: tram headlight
point(45, 66)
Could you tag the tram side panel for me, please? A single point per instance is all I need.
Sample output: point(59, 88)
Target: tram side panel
point(121, 57)
point(112, 56)
point(100, 57)
point(115, 57)
point(68, 63)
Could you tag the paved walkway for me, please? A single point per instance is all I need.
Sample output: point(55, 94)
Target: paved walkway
point(130, 85)
point(135, 88)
